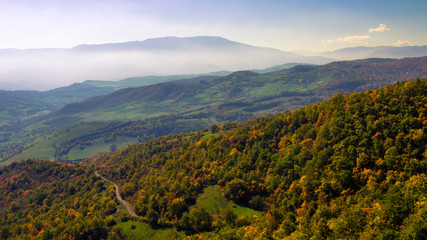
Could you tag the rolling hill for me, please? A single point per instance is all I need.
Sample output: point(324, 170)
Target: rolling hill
point(247, 86)
point(19, 105)
point(102, 123)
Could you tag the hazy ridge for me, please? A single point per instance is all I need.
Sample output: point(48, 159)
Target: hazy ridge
point(44, 69)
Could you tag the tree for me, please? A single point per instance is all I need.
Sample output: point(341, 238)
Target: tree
point(110, 207)
point(214, 128)
point(229, 216)
point(153, 217)
point(236, 189)
point(201, 220)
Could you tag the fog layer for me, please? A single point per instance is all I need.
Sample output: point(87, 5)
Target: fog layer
point(44, 69)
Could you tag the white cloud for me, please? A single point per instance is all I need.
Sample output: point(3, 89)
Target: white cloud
point(354, 38)
point(381, 28)
point(350, 39)
point(402, 43)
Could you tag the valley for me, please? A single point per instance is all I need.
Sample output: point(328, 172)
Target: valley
point(216, 120)
point(129, 115)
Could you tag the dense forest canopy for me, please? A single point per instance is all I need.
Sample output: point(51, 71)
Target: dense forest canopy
point(353, 167)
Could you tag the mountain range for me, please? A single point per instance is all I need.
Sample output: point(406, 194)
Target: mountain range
point(376, 52)
point(51, 68)
point(44, 69)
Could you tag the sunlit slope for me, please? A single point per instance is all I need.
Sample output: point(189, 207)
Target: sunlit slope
point(351, 167)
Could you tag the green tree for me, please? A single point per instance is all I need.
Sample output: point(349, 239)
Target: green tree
point(201, 220)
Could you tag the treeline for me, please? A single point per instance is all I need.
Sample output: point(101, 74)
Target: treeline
point(351, 167)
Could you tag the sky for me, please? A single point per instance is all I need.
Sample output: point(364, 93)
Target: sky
point(298, 25)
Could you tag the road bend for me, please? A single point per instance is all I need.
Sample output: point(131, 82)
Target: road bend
point(126, 204)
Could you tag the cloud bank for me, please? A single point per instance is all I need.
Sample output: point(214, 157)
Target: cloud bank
point(402, 43)
point(354, 39)
point(359, 38)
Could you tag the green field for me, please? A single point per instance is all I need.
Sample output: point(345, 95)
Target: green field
point(212, 200)
point(141, 231)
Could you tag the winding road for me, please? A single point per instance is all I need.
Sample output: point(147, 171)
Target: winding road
point(126, 204)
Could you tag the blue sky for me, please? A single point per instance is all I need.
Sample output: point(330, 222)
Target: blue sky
point(287, 25)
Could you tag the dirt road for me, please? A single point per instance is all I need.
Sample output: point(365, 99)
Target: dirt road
point(126, 204)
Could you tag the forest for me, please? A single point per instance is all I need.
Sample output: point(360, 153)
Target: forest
point(352, 167)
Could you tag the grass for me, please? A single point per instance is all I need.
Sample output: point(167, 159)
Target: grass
point(136, 229)
point(123, 112)
point(43, 147)
point(98, 147)
point(211, 199)
point(140, 230)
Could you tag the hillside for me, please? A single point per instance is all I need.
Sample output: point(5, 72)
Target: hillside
point(138, 114)
point(245, 86)
point(21, 105)
point(352, 167)
point(50, 200)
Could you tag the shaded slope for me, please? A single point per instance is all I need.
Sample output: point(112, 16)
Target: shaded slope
point(21, 105)
point(158, 92)
point(338, 76)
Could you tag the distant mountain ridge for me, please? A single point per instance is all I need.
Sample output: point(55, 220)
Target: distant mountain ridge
point(51, 68)
point(171, 43)
point(376, 52)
